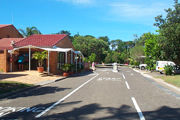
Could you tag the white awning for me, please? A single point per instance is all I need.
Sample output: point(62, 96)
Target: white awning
point(47, 49)
point(58, 49)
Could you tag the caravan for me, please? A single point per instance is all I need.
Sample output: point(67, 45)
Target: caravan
point(161, 64)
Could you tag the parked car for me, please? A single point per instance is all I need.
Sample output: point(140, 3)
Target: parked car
point(161, 64)
point(142, 66)
point(176, 69)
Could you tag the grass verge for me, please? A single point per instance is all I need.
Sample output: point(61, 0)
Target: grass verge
point(10, 86)
point(174, 80)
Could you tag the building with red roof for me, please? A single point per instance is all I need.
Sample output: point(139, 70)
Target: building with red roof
point(9, 31)
point(7, 43)
point(59, 47)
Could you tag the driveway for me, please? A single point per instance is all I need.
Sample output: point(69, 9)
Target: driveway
point(102, 95)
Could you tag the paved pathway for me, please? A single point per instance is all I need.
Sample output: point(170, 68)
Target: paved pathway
point(103, 95)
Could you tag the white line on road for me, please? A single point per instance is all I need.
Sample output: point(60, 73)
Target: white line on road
point(138, 109)
point(127, 85)
point(123, 76)
point(61, 100)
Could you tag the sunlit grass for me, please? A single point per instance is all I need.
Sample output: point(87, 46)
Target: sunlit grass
point(175, 80)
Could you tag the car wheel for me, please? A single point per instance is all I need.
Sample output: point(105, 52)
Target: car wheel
point(142, 68)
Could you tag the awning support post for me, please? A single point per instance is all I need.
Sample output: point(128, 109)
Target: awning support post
point(76, 62)
point(11, 62)
point(66, 56)
point(48, 63)
point(29, 57)
point(71, 57)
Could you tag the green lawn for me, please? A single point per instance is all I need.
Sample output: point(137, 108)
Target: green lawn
point(175, 80)
point(9, 86)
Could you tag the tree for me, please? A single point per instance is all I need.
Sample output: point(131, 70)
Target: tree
point(117, 45)
point(105, 39)
point(169, 30)
point(29, 31)
point(136, 53)
point(151, 49)
point(64, 32)
point(92, 57)
point(116, 57)
point(89, 44)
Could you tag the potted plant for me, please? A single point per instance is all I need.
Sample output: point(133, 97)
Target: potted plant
point(66, 69)
point(40, 56)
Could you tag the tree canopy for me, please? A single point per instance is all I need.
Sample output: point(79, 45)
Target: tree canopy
point(169, 30)
point(29, 31)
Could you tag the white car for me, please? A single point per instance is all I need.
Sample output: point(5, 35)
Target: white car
point(161, 64)
point(142, 66)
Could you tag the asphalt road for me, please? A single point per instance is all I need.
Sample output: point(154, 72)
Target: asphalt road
point(102, 95)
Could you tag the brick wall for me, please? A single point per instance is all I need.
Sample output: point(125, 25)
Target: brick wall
point(4, 63)
point(53, 59)
point(9, 32)
point(65, 43)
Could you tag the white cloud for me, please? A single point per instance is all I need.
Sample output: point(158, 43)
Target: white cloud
point(128, 10)
point(78, 2)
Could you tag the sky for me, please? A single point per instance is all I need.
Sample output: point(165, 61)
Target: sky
point(117, 19)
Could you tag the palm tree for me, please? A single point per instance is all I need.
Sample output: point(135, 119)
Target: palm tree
point(29, 31)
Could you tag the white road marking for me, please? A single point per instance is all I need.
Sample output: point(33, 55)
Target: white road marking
point(108, 79)
point(61, 100)
point(138, 109)
point(123, 76)
point(127, 85)
point(7, 110)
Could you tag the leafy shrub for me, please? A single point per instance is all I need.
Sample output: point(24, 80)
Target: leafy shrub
point(168, 69)
point(66, 67)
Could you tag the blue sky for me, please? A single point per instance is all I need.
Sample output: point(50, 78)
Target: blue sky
point(117, 19)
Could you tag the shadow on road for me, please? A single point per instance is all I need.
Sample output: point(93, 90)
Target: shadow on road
point(38, 91)
point(124, 112)
point(29, 113)
point(85, 73)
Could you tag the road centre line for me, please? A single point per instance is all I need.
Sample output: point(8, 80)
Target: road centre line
point(127, 85)
point(61, 100)
point(123, 76)
point(137, 109)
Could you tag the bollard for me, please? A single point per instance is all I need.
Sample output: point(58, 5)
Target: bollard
point(115, 67)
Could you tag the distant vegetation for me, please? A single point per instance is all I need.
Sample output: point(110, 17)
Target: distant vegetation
point(148, 48)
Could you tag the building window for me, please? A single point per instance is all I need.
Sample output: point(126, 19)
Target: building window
point(61, 60)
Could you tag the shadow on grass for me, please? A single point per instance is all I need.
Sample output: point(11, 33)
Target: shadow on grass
point(5, 76)
point(90, 111)
point(9, 86)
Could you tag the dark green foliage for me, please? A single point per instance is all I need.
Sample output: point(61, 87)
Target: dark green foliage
point(66, 67)
point(89, 44)
point(29, 31)
point(168, 69)
point(169, 30)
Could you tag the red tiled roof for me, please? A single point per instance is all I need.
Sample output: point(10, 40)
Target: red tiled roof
point(41, 40)
point(5, 43)
point(4, 25)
